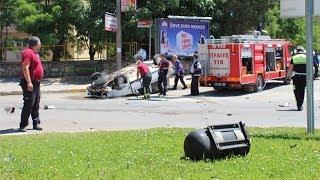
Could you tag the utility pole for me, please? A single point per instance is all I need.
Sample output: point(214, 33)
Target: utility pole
point(310, 88)
point(119, 35)
point(150, 34)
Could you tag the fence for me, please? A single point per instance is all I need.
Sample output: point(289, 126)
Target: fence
point(72, 52)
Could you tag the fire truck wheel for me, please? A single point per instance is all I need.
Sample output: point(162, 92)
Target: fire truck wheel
point(259, 84)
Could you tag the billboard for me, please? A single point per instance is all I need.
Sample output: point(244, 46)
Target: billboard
point(110, 23)
point(125, 4)
point(181, 36)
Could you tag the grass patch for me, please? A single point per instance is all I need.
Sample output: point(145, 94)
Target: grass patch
point(277, 153)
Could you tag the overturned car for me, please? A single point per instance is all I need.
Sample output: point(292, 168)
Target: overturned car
point(124, 82)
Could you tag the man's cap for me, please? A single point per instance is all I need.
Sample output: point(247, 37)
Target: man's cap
point(300, 49)
point(34, 41)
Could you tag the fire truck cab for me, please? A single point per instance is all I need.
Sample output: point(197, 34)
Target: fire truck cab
point(233, 62)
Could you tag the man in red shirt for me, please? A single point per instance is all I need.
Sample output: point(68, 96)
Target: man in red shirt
point(32, 74)
point(144, 72)
point(163, 72)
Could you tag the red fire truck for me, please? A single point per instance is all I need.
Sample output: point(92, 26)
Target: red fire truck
point(244, 60)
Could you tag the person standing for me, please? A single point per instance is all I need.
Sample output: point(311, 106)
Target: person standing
point(195, 74)
point(297, 70)
point(179, 71)
point(144, 72)
point(163, 72)
point(32, 74)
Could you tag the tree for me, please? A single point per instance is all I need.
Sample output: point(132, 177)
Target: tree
point(52, 20)
point(6, 19)
point(90, 28)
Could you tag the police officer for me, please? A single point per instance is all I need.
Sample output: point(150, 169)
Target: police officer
point(144, 72)
point(195, 73)
point(297, 70)
point(163, 72)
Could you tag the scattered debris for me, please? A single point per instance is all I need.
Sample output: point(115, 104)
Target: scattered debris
point(48, 107)
point(247, 98)
point(8, 159)
point(293, 146)
point(229, 114)
point(10, 109)
point(74, 122)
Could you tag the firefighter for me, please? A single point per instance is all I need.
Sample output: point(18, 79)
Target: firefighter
point(144, 72)
point(297, 70)
point(179, 71)
point(195, 73)
point(163, 72)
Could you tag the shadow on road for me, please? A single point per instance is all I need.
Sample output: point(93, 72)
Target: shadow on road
point(239, 92)
point(287, 110)
point(9, 131)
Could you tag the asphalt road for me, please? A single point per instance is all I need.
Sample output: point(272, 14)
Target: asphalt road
point(75, 112)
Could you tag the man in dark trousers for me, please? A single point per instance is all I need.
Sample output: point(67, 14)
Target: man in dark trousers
point(297, 70)
point(144, 72)
point(32, 74)
point(179, 71)
point(195, 74)
point(163, 72)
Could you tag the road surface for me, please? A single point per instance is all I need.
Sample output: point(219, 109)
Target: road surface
point(75, 112)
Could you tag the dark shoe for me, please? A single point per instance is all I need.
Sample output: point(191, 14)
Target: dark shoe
point(185, 87)
point(174, 88)
point(300, 108)
point(21, 130)
point(160, 94)
point(37, 128)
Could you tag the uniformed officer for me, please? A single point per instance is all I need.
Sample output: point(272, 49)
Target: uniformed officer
point(195, 74)
point(297, 70)
point(163, 72)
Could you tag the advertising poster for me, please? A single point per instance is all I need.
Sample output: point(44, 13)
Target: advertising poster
point(125, 4)
point(110, 23)
point(181, 37)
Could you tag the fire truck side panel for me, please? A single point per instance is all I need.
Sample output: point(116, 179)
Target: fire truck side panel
point(235, 64)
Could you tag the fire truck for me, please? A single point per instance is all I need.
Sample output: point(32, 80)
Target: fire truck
point(237, 61)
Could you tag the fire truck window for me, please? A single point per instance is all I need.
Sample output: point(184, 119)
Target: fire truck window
point(247, 66)
point(270, 61)
point(279, 59)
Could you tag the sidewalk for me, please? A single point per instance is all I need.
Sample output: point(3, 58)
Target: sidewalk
point(10, 86)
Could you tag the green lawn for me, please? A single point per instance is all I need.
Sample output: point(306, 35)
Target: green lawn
point(280, 153)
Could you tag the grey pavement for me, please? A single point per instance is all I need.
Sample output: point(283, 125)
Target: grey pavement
point(76, 112)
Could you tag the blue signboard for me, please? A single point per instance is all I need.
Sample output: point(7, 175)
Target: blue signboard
point(181, 37)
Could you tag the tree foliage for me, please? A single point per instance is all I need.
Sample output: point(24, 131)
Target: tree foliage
point(61, 21)
point(52, 20)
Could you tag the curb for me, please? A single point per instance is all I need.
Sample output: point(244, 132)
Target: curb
point(44, 92)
